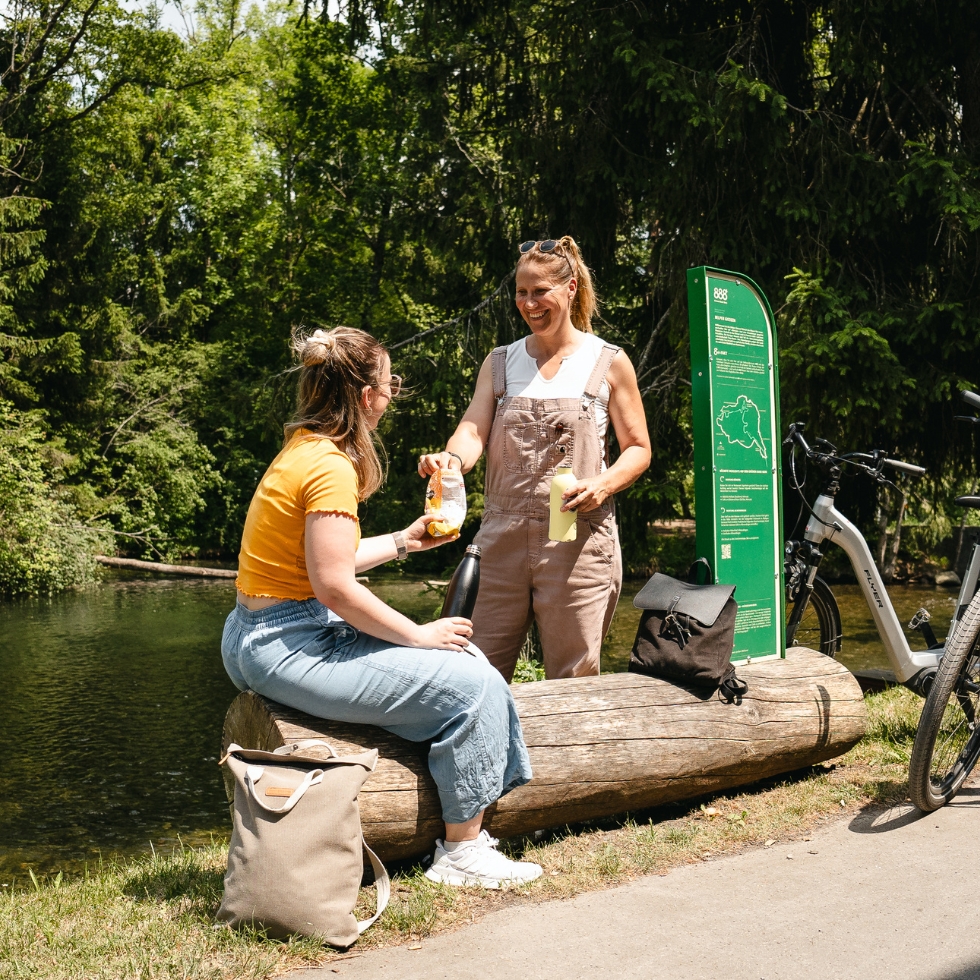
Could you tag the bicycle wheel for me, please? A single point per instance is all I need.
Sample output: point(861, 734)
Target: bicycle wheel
point(820, 627)
point(947, 741)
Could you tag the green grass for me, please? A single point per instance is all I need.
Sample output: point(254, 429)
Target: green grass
point(154, 917)
point(151, 918)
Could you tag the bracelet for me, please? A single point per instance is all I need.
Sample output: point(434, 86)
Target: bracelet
point(457, 456)
point(400, 548)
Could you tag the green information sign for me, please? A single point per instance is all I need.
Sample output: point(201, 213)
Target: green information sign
point(735, 384)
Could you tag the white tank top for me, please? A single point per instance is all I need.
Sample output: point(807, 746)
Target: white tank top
point(524, 379)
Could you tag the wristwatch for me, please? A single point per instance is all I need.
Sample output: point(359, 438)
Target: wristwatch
point(399, 539)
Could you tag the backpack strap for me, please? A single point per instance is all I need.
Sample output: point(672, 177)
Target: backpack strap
point(733, 688)
point(382, 886)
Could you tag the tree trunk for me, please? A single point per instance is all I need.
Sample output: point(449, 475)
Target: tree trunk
point(197, 571)
point(598, 746)
point(881, 519)
point(966, 57)
point(888, 572)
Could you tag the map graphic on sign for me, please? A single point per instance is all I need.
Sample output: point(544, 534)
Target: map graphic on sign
point(741, 424)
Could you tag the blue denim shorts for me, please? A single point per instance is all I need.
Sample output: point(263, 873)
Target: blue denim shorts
point(301, 654)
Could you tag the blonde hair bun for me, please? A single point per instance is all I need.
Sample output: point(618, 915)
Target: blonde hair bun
point(337, 365)
point(314, 348)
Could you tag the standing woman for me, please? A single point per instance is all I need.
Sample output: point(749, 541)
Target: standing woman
point(305, 633)
point(545, 400)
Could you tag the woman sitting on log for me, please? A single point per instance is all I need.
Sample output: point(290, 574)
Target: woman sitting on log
point(305, 633)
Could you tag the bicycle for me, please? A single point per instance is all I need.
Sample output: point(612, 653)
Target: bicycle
point(945, 668)
point(815, 617)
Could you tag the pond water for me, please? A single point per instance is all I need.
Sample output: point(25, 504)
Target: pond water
point(114, 697)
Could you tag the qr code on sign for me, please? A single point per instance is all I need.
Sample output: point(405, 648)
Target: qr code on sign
point(726, 551)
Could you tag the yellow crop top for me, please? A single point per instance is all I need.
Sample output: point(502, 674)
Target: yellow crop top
point(310, 474)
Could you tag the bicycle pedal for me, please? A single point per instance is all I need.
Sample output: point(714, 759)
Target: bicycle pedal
point(922, 616)
point(920, 622)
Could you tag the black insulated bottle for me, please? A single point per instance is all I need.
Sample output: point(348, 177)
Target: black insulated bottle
point(464, 586)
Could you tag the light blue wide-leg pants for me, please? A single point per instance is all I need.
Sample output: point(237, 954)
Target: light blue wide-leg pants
point(301, 655)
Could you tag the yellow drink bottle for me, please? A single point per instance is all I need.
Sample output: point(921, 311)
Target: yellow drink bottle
point(562, 527)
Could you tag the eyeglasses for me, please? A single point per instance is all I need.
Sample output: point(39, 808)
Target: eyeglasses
point(548, 245)
point(394, 386)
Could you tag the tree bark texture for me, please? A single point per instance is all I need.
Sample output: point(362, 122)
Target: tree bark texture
point(598, 746)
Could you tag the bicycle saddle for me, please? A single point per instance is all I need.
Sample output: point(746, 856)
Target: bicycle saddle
point(968, 501)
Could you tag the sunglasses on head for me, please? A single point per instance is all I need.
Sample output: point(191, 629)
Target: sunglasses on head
point(548, 245)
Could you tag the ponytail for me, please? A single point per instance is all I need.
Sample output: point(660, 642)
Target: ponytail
point(564, 264)
point(335, 367)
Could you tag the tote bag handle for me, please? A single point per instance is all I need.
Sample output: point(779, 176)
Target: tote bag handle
point(305, 743)
point(254, 773)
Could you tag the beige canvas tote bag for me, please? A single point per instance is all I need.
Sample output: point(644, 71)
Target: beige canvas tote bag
point(295, 859)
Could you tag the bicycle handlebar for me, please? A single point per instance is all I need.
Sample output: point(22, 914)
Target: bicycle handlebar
point(870, 463)
point(897, 464)
point(795, 434)
point(970, 398)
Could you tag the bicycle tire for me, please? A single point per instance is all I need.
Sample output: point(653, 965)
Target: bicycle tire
point(820, 628)
point(947, 741)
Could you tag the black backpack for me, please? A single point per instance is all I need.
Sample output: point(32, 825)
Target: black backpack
point(687, 633)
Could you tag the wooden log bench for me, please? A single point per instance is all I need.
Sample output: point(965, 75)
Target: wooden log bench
point(598, 746)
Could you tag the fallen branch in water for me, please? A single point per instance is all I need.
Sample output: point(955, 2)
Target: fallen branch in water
point(156, 566)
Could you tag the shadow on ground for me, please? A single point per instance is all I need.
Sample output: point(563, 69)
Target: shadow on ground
point(877, 820)
point(971, 972)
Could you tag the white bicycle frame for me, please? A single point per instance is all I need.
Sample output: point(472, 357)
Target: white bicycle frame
point(906, 663)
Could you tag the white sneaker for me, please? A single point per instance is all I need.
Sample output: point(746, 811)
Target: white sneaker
point(478, 862)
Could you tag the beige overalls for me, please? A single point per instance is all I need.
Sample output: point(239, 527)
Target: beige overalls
point(570, 588)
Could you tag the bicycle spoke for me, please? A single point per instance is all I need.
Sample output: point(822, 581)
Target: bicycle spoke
point(958, 741)
point(819, 624)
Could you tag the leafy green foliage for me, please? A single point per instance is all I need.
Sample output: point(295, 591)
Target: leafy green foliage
point(528, 671)
point(170, 207)
point(44, 545)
